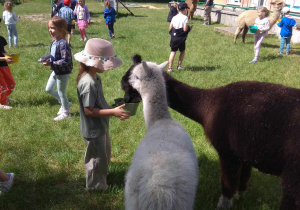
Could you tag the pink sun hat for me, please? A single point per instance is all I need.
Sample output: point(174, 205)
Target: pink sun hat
point(98, 53)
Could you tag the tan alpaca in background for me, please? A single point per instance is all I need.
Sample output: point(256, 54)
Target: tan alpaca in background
point(192, 4)
point(248, 18)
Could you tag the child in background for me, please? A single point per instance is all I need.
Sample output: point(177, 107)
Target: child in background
point(10, 19)
point(67, 13)
point(83, 18)
point(56, 7)
point(178, 30)
point(110, 18)
point(7, 82)
point(97, 57)
point(173, 11)
point(286, 24)
point(61, 65)
point(73, 5)
point(263, 25)
point(6, 181)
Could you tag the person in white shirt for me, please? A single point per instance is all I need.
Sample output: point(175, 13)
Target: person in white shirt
point(10, 19)
point(178, 30)
point(263, 25)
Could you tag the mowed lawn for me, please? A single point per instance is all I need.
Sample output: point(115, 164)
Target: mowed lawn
point(47, 156)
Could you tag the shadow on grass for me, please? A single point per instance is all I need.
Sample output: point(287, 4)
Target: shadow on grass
point(202, 68)
point(96, 14)
point(270, 45)
point(57, 190)
point(271, 57)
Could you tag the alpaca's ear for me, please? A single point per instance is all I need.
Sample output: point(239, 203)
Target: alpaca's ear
point(145, 65)
point(163, 65)
point(136, 59)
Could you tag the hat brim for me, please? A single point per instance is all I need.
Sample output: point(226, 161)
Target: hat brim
point(99, 64)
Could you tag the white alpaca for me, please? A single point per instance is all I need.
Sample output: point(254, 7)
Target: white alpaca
point(164, 170)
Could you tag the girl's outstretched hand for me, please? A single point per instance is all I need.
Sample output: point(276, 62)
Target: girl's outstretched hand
point(120, 113)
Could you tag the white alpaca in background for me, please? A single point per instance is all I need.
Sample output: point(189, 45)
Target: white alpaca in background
point(164, 171)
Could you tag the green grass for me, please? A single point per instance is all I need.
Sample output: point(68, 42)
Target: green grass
point(47, 156)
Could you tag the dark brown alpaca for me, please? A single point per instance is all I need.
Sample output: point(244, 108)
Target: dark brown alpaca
point(250, 124)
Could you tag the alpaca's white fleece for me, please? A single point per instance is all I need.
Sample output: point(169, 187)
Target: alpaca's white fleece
point(164, 170)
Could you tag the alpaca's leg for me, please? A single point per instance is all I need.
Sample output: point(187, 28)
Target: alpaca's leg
point(245, 31)
point(230, 171)
point(236, 35)
point(244, 177)
point(291, 188)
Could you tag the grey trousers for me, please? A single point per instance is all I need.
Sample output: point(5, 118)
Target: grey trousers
point(96, 162)
point(207, 15)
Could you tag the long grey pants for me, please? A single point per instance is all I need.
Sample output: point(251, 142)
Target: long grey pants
point(96, 162)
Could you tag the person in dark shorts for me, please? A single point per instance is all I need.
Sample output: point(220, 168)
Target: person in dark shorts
point(178, 30)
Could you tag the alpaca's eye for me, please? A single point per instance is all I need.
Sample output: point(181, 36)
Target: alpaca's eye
point(136, 77)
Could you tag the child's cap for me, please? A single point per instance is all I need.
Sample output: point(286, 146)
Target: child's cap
point(98, 53)
point(67, 2)
point(285, 10)
point(182, 6)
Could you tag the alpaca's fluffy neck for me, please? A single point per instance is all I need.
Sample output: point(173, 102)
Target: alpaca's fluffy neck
point(155, 107)
point(273, 17)
point(187, 100)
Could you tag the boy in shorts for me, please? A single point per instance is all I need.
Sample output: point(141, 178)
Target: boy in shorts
point(179, 30)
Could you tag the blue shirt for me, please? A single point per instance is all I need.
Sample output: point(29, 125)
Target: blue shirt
point(286, 24)
point(110, 15)
point(66, 13)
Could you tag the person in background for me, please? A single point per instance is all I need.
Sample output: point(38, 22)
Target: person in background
point(286, 24)
point(263, 25)
point(10, 20)
point(110, 18)
point(67, 13)
point(56, 7)
point(83, 18)
point(207, 12)
point(178, 30)
point(173, 11)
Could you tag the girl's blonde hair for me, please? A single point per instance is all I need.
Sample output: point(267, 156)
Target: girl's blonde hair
point(83, 2)
point(265, 10)
point(82, 69)
point(60, 23)
point(8, 6)
point(107, 4)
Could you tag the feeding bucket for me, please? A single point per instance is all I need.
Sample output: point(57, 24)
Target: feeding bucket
point(14, 57)
point(132, 107)
point(252, 29)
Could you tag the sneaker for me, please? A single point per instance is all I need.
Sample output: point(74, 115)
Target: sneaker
point(62, 116)
point(85, 39)
point(170, 69)
point(113, 36)
point(287, 53)
point(5, 106)
point(279, 53)
point(180, 68)
point(5, 186)
point(61, 109)
point(81, 39)
point(253, 61)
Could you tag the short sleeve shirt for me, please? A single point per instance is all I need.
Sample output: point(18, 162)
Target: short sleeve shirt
point(90, 94)
point(179, 20)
